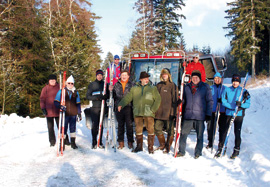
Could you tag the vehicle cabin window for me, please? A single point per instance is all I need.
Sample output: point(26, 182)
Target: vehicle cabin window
point(209, 68)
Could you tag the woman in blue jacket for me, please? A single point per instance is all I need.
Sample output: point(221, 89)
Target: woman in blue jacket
point(230, 99)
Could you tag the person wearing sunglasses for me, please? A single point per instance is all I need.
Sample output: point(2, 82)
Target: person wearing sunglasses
point(72, 109)
point(116, 70)
point(196, 65)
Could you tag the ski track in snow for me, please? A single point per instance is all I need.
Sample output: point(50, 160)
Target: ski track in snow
point(27, 160)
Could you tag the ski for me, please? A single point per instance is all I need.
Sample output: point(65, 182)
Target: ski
point(61, 118)
point(102, 110)
point(111, 123)
point(179, 115)
point(234, 116)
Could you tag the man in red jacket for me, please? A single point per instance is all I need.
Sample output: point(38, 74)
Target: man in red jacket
point(196, 65)
point(47, 96)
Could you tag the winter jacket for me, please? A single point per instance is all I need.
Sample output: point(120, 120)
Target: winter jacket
point(47, 96)
point(216, 95)
point(229, 98)
point(94, 93)
point(146, 100)
point(196, 66)
point(72, 101)
point(116, 74)
point(199, 104)
point(169, 96)
point(118, 92)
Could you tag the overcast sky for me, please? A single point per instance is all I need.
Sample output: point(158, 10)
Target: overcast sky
point(203, 26)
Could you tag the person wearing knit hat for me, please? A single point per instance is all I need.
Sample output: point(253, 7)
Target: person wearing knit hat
point(72, 109)
point(115, 66)
point(196, 65)
point(218, 110)
point(124, 117)
point(51, 113)
point(230, 100)
point(166, 113)
point(95, 95)
point(146, 101)
point(198, 103)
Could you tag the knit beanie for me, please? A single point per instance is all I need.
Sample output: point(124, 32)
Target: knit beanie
point(196, 73)
point(52, 77)
point(99, 72)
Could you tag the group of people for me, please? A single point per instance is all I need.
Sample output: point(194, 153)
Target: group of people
point(152, 107)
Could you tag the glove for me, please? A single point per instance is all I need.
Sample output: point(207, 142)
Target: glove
point(64, 108)
point(101, 97)
point(44, 111)
point(238, 103)
point(207, 118)
point(246, 95)
point(219, 100)
point(172, 117)
point(79, 117)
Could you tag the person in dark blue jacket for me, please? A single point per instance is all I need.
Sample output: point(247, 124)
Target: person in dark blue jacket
point(198, 103)
point(230, 99)
point(72, 109)
point(217, 90)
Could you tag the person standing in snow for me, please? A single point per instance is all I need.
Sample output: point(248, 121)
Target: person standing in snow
point(116, 70)
point(47, 96)
point(229, 100)
point(146, 101)
point(94, 94)
point(196, 65)
point(217, 90)
point(198, 103)
point(124, 117)
point(166, 113)
point(72, 109)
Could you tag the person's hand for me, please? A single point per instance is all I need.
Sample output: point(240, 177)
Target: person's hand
point(246, 95)
point(238, 103)
point(110, 87)
point(219, 100)
point(64, 108)
point(207, 118)
point(119, 108)
point(79, 117)
point(44, 111)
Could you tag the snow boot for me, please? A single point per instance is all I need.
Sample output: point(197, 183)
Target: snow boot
point(218, 153)
point(210, 145)
point(168, 144)
point(196, 156)
point(179, 154)
point(151, 139)
point(130, 145)
point(235, 153)
point(121, 145)
point(73, 144)
point(139, 147)
point(66, 141)
point(161, 140)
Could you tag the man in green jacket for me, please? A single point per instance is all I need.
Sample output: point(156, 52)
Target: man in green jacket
point(146, 101)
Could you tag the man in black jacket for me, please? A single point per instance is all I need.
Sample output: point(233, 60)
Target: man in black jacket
point(94, 93)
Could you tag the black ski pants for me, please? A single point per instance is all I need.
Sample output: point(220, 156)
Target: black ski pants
point(124, 119)
point(237, 131)
point(95, 115)
point(211, 128)
point(50, 125)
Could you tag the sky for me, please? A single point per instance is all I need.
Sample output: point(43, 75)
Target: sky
point(203, 25)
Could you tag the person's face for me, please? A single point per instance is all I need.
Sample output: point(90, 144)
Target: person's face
point(165, 77)
point(52, 82)
point(144, 81)
point(99, 77)
point(70, 85)
point(235, 84)
point(195, 59)
point(124, 76)
point(116, 61)
point(217, 80)
point(195, 79)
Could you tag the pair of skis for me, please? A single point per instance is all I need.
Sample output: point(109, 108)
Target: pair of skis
point(60, 137)
point(234, 116)
point(111, 130)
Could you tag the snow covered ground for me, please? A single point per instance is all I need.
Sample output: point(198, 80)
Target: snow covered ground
point(27, 160)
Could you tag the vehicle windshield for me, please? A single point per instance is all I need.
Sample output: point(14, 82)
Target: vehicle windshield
point(154, 67)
